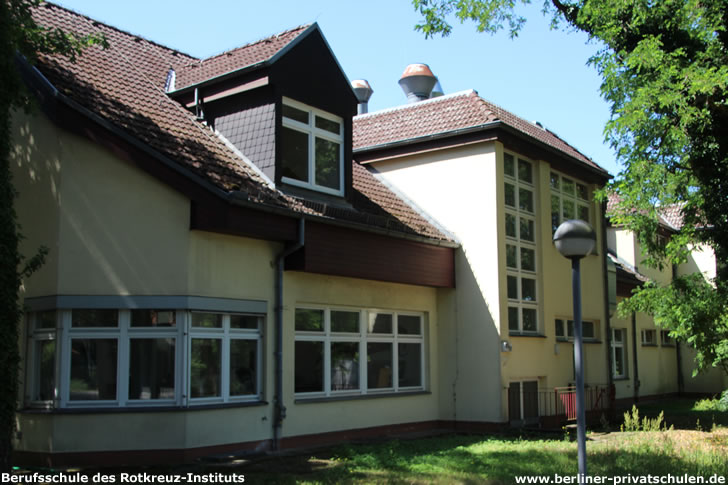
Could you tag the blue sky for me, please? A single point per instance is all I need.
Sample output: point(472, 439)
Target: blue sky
point(541, 75)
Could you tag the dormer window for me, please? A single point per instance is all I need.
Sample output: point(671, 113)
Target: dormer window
point(312, 148)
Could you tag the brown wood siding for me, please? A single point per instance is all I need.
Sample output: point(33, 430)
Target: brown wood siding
point(345, 252)
point(241, 221)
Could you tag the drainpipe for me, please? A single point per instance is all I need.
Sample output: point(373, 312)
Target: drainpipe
point(607, 327)
point(680, 377)
point(279, 410)
point(636, 393)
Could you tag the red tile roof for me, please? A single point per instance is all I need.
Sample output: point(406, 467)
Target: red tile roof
point(124, 85)
point(198, 71)
point(670, 216)
point(447, 115)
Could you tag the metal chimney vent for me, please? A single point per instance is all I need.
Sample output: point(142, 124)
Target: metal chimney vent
point(363, 92)
point(417, 82)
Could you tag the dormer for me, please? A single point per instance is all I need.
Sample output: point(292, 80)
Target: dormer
point(285, 104)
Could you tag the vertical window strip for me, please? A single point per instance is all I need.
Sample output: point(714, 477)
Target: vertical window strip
point(570, 199)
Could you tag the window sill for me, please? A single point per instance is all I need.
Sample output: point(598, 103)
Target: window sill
point(624, 378)
point(140, 409)
point(585, 340)
point(358, 397)
point(649, 345)
point(522, 334)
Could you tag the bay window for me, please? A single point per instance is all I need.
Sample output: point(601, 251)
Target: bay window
point(312, 148)
point(569, 200)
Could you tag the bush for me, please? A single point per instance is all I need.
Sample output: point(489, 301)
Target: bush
point(632, 422)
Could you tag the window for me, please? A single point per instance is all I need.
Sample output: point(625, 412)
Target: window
point(648, 337)
point(565, 329)
point(665, 339)
point(351, 351)
point(143, 357)
point(569, 200)
point(619, 356)
point(521, 279)
point(312, 148)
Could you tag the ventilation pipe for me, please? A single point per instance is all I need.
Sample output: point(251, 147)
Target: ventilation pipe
point(417, 82)
point(363, 92)
point(437, 90)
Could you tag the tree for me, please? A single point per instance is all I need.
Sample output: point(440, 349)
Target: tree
point(664, 69)
point(19, 35)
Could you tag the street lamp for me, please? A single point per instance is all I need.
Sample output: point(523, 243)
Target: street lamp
point(575, 239)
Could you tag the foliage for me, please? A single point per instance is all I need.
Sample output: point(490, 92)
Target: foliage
point(713, 404)
point(632, 422)
point(664, 69)
point(20, 34)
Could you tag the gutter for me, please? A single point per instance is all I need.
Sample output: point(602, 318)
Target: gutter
point(37, 80)
point(279, 410)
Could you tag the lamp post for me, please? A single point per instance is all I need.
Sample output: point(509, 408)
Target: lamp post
point(575, 239)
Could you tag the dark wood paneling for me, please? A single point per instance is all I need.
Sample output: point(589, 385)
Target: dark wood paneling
point(242, 221)
point(357, 254)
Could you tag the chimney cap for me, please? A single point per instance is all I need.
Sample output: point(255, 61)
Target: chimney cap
point(417, 69)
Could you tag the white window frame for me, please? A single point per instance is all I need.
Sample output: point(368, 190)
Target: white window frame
point(123, 333)
point(362, 337)
point(578, 201)
point(666, 340)
point(623, 345)
point(568, 325)
point(313, 132)
point(649, 342)
point(519, 243)
point(522, 403)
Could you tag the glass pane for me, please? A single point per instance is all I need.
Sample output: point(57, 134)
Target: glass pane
point(152, 318)
point(508, 165)
point(511, 256)
point(207, 320)
point(328, 163)
point(309, 370)
point(560, 328)
point(294, 154)
point(525, 171)
point(46, 373)
point(380, 323)
point(554, 181)
point(525, 200)
point(206, 368)
point(510, 195)
point(512, 287)
point(513, 319)
point(344, 321)
point(328, 125)
point(587, 329)
point(617, 335)
point(295, 114)
point(344, 366)
point(618, 361)
point(151, 368)
point(582, 192)
point(570, 328)
point(245, 321)
point(309, 320)
point(514, 401)
point(528, 259)
point(410, 365)
point(583, 213)
point(93, 369)
point(567, 186)
point(511, 225)
point(528, 289)
point(379, 365)
point(94, 318)
point(527, 229)
point(530, 399)
point(530, 324)
point(409, 325)
point(46, 319)
point(243, 367)
point(569, 210)
point(555, 212)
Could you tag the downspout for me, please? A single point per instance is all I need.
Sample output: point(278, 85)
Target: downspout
point(680, 377)
point(279, 410)
point(607, 327)
point(636, 393)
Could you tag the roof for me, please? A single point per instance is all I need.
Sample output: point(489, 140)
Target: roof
point(124, 86)
point(626, 271)
point(670, 217)
point(449, 115)
point(197, 71)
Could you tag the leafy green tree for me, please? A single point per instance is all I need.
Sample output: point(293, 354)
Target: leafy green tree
point(20, 35)
point(664, 69)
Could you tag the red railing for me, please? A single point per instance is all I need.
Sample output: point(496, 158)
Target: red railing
point(559, 402)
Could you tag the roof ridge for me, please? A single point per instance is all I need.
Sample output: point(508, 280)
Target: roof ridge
point(249, 44)
point(418, 103)
point(47, 4)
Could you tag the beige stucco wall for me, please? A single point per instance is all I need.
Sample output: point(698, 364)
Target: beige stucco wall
point(115, 230)
point(701, 260)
